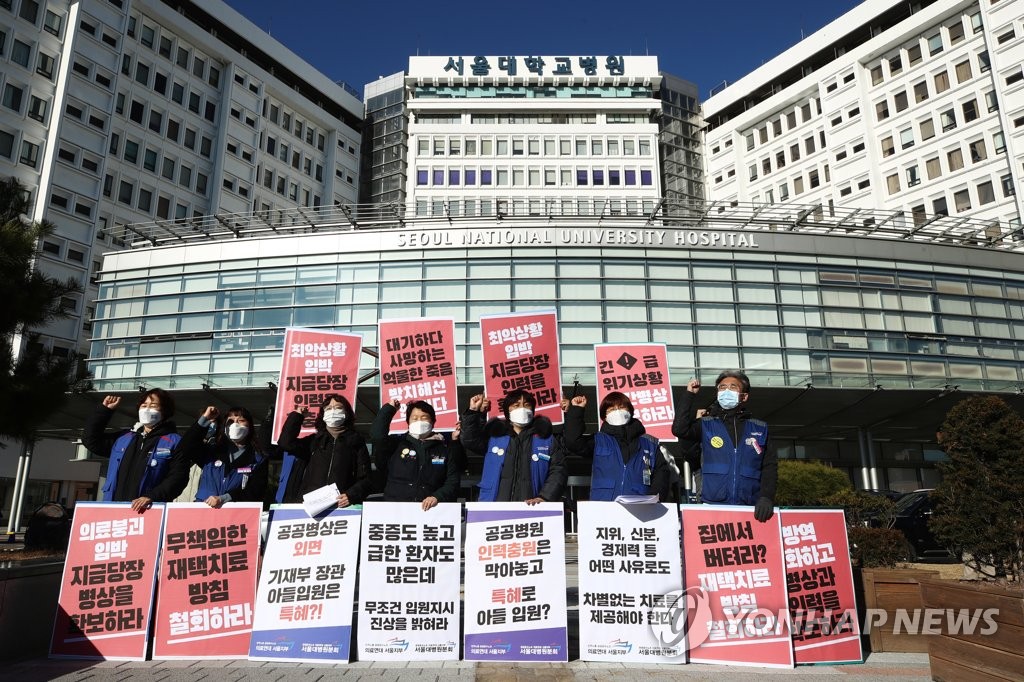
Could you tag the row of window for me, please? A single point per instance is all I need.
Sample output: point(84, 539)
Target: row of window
point(809, 147)
point(977, 150)
point(27, 153)
point(299, 160)
point(947, 121)
point(29, 11)
point(912, 54)
point(984, 193)
point(790, 118)
point(147, 198)
point(285, 186)
point(533, 146)
point(170, 47)
point(14, 98)
point(21, 53)
point(533, 177)
point(900, 99)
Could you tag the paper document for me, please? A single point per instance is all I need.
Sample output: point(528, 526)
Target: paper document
point(316, 501)
point(637, 499)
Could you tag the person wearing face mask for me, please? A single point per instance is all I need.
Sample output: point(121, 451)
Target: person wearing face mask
point(523, 460)
point(147, 463)
point(234, 469)
point(417, 466)
point(739, 465)
point(336, 453)
point(627, 460)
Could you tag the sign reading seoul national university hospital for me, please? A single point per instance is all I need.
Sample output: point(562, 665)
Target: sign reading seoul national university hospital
point(640, 371)
point(503, 67)
point(417, 362)
point(315, 364)
point(520, 350)
point(106, 591)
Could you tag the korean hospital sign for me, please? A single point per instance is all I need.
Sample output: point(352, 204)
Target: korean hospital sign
point(531, 67)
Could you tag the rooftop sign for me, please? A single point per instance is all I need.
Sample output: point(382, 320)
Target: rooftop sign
point(533, 67)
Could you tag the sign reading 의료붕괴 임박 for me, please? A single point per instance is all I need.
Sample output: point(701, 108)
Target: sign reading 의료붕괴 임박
point(737, 565)
point(315, 364)
point(417, 362)
point(515, 605)
point(208, 568)
point(106, 591)
point(409, 582)
point(630, 582)
point(640, 371)
point(520, 351)
point(307, 586)
point(819, 578)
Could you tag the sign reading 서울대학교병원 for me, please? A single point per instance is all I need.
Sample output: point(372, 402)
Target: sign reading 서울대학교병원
point(515, 603)
point(307, 586)
point(409, 582)
point(417, 362)
point(630, 582)
point(520, 351)
point(106, 592)
point(447, 67)
point(819, 577)
point(315, 364)
point(640, 371)
point(736, 564)
point(208, 568)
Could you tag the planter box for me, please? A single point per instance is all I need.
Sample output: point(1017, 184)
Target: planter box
point(28, 603)
point(889, 590)
point(967, 653)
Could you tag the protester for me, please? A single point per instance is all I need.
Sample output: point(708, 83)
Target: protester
point(334, 454)
point(738, 462)
point(416, 466)
point(627, 460)
point(234, 467)
point(523, 460)
point(146, 463)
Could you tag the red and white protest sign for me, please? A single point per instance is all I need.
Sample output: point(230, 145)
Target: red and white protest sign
point(520, 350)
point(417, 362)
point(208, 569)
point(106, 592)
point(640, 371)
point(822, 603)
point(315, 364)
point(735, 565)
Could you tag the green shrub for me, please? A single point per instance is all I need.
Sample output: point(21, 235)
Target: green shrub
point(863, 508)
point(808, 484)
point(979, 505)
point(878, 547)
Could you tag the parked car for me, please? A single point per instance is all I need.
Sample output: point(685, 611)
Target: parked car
point(913, 512)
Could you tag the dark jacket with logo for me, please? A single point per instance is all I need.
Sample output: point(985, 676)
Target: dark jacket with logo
point(409, 469)
point(243, 478)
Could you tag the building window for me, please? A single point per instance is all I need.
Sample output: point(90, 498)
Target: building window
point(907, 138)
point(986, 193)
point(991, 101)
point(962, 200)
point(955, 159)
point(963, 71)
point(900, 100)
point(933, 168)
point(876, 75)
point(939, 207)
point(970, 110)
point(893, 182)
point(948, 120)
point(984, 63)
point(29, 154)
point(1007, 182)
point(888, 149)
point(941, 81)
point(913, 176)
point(935, 44)
point(12, 97)
point(998, 142)
point(914, 54)
point(581, 177)
point(927, 129)
point(646, 178)
point(978, 152)
point(882, 110)
point(44, 65)
point(52, 23)
point(921, 91)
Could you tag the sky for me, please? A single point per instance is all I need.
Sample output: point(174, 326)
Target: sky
point(702, 42)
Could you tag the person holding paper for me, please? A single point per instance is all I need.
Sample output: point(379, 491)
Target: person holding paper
point(627, 460)
point(146, 463)
point(523, 460)
point(739, 465)
point(334, 454)
point(416, 466)
point(234, 468)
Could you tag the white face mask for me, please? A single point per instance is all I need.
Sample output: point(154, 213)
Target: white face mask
point(148, 416)
point(237, 432)
point(521, 416)
point(618, 417)
point(334, 418)
point(420, 428)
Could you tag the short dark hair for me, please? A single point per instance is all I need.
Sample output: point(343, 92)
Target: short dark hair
point(734, 374)
point(319, 424)
point(514, 397)
point(614, 399)
point(420, 405)
point(166, 401)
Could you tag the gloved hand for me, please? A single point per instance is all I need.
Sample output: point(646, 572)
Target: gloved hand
point(764, 509)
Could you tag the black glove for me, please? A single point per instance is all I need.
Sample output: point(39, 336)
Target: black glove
point(764, 509)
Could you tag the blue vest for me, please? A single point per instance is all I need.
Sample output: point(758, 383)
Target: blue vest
point(158, 461)
point(287, 462)
point(731, 474)
point(611, 477)
point(490, 479)
point(217, 480)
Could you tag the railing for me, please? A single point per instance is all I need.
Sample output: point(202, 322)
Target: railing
point(813, 219)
